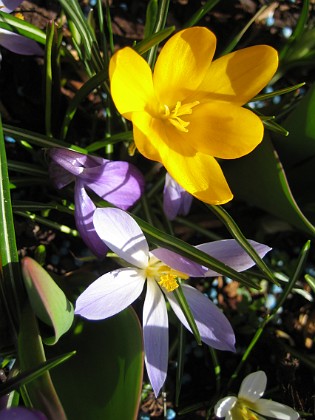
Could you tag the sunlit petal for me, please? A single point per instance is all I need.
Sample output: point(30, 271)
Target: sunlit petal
point(155, 335)
point(199, 174)
point(74, 162)
point(119, 183)
point(149, 135)
point(276, 410)
point(131, 82)
point(19, 44)
point(179, 263)
point(83, 214)
point(253, 386)
point(183, 63)
point(122, 235)
point(232, 254)
point(110, 294)
point(227, 135)
point(224, 405)
point(239, 76)
point(215, 330)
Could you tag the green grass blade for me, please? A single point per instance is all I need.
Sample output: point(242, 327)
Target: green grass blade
point(153, 40)
point(11, 23)
point(38, 139)
point(11, 281)
point(239, 36)
point(150, 18)
point(26, 168)
point(116, 138)
point(81, 94)
point(181, 299)
point(50, 33)
point(201, 12)
point(31, 374)
point(235, 231)
point(160, 24)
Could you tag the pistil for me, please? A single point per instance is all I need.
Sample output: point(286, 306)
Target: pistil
point(174, 116)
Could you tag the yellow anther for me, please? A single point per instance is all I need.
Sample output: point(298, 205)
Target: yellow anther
point(179, 110)
point(19, 15)
point(242, 411)
point(168, 281)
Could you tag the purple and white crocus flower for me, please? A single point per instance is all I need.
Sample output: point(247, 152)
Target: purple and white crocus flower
point(161, 270)
point(14, 42)
point(249, 404)
point(176, 200)
point(119, 183)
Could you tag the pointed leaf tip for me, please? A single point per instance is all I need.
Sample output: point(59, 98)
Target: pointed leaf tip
point(47, 299)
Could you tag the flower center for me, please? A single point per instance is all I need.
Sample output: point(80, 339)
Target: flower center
point(174, 116)
point(242, 411)
point(164, 275)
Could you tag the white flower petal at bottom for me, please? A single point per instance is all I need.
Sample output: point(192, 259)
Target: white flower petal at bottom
point(155, 335)
point(274, 409)
point(253, 386)
point(110, 293)
point(223, 406)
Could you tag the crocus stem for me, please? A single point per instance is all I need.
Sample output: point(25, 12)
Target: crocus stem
point(217, 367)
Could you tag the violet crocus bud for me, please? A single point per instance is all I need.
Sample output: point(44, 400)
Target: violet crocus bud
point(176, 201)
point(118, 182)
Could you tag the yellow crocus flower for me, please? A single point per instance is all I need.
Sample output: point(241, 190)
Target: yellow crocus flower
point(188, 112)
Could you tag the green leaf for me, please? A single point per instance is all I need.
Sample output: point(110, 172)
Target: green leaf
point(30, 375)
point(284, 91)
point(297, 152)
point(48, 301)
point(181, 299)
point(116, 138)
point(310, 281)
point(89, 50)
point(259, 180)
point(103, 380)
point(201, 12)
point(153, 40)
point(11, 23)
point(151, 18)
point(300, 144)
point(81, 94)
point(230, 47)
point(11, 286)
point(38, 139)
point(40, 392)
point(237, 234)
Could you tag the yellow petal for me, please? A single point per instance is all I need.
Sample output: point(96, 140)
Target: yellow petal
point(199, 174)
point(224, 130)
point(131, 82)
point(154, 137)
point(149, 134)
point(239, 76)
point(182, 64)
